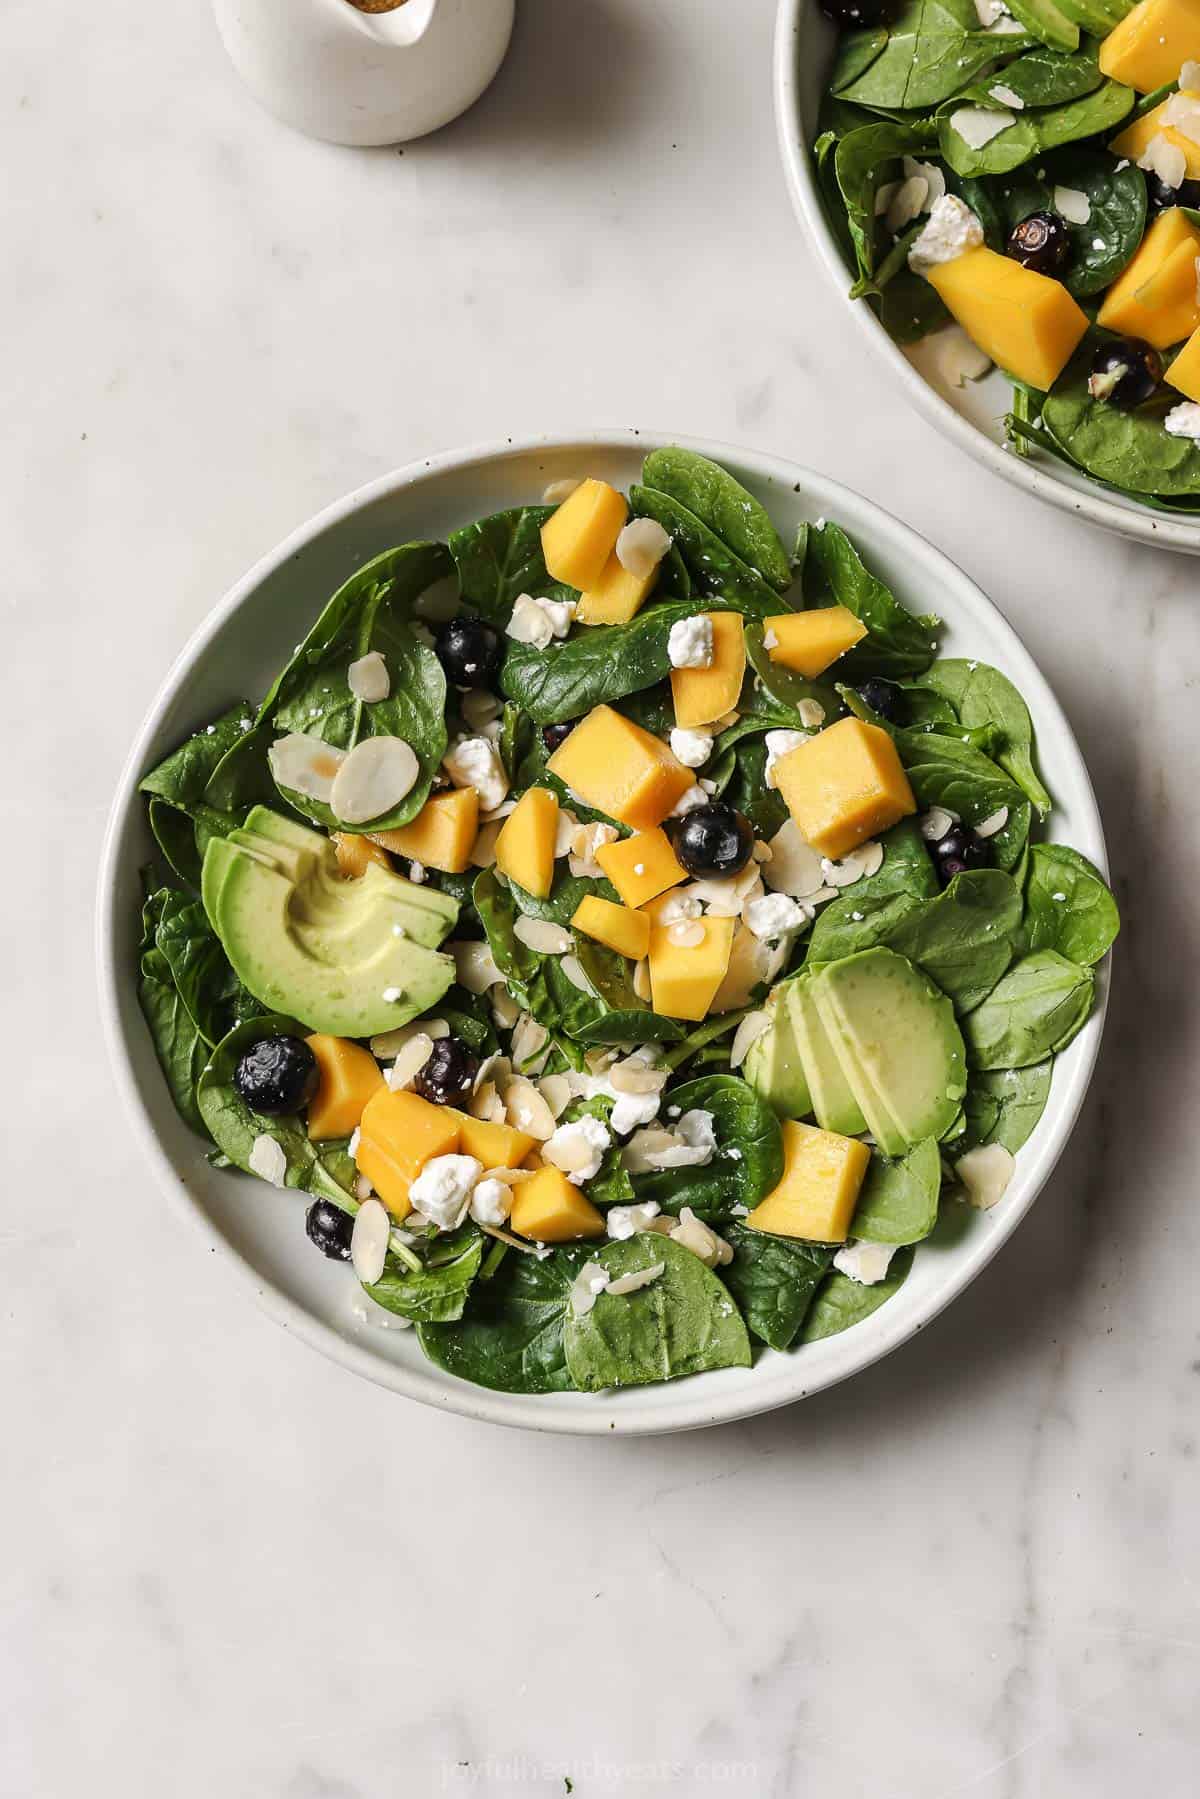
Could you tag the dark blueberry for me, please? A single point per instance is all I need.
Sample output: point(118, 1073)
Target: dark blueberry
point(1159, 196)
point(1040, 242)
point(953, 865)
point(277, 1076)
point(469, 651)
point(854, 14)
point(330, 1229)
point(884, 698)
point(959, 850)
point(555, 735)
point(713, 840)
point(1125, 373)
point(449, 1074)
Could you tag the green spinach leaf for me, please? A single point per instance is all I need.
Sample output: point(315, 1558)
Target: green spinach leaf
point(1068, 906)
point(437, 1292)
point(715, 568)
point(898, 1202)
point(933, 48)
point(722, 504)
point(684, 1322)
point(982, 696)
point(773, 1280)
point(1100, 247)
point(510, 1337)
point(966, 937)
point(898, 642)
point(201, 972)
point(1003, 1105)
point(500, 557)
point(748, 1163)
point(863, 915)
point(1129, 450)
point(1032, 1013)
point(944, 772)
point(181, 1051)
point(1033, 133)
point(842, 1302)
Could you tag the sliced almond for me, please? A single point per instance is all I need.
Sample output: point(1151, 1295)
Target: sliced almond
point(688, 933)
point(505, 1009)
point(641, 980)
point(555, 1089)
point(542, 935)
point(369, 1241)
point(527, 1110)
point(390, 1043)
point(378, 773)
point(480, 709)
point(487, 1105)
point(636, 1076)
point(306, 765)
point(573, 969)
point(995, 821)
point(748, 1032)
point(985, 1174)
point(475, 966)
point(483, 850)
point(409, 1062)
point(529, 1040)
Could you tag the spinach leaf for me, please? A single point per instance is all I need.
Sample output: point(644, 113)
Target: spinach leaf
point(510, 1337)
point(863, 915)
point(862, 161)
point(617, 1015)
point(741, 779)
point(842, 1302)
point(181, 1051)
point(1004, 1105)
point(1129, 450)
point(772, 694)
point(932, 49)
point(898, 1202)
point(722, 504)
point(437, 1292)
point(1042, 77)
point(323, 1169)
point(748, 1163)
point(500, 557)
point(773, 1280)
point(181, 779)
point(1103, 245)
point(982, 696)
point(684, 1322)
point(715, 568)
point(898, 642)
point(175, 834)
point(1032, 1013)
point(1068, 907)
point(595, 666)
point(909, 308)
point(1033, 133)
point(203, 978)
point(522, 968)
point(966, 938)
point(944, 772)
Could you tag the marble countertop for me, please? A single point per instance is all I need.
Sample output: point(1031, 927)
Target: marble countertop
point(231, 1567)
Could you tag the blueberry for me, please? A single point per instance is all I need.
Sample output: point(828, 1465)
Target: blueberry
point(1159, 196)
point(713, 840)
point(330, 1229)
point(953, 865)
point(555, 735)
point(277, 1076)
point(1040, 242)
point(1125, 373)
point(854, 14)
point(469, 651)
point(449, 1074)
point(961, 848)
point(885, 699)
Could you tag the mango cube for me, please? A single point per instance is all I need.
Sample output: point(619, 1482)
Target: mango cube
point(398, 1134)
point(1151, 44)
point(688, 961)
point(1026, 322)
point(495, 1145)
point(441, 835)
point(1148, 299)
point(642, 866)
point(615, 926)
point(1184, 372)
point(810, 642)
point(1135, 139)
point(616, 596)
point(579, 538)
point(618, 769)
point(822, 1174)
point(525, 845)
point(702, 695)
point(348, 1076)
point(551, 1209)
point(844, 785)
point(355, 854)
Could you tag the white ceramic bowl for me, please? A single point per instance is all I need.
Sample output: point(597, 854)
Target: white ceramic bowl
point(972, 416)
point(259, 1232)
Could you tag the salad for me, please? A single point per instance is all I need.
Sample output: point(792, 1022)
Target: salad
point(1018, 182)
point(627, 933)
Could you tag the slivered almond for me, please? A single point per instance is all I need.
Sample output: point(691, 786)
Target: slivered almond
point(487, 1105)
point(542, 935)
point(527, 1109)
point(636, 1076)
point(555, 1089)
point(748, 1032)
point(410, 1061)
point(687, 933)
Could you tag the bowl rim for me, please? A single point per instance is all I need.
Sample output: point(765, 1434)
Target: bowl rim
point(637, 1414)
point(1140, 524)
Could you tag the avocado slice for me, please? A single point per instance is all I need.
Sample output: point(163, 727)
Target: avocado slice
point(773, 1067)
point(834, 1100)
point(898, 1042)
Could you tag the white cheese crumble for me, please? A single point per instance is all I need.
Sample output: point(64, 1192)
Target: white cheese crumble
point(989, 11)
point(1182, 114)
point(773, 915)
point(690, 644)
point(1189, 78)
point(1184, 420)
point(442, 1190)
point(368, 678)
point(1166, 160)
point(632, 1109)
point(625, 1221)
point(780, 743)
point(866, 1263)
point(691, 747)
point(268, 1160)
point(641, 546)
point(539, 621)
point(475, 762)
point(491, 1202)
point(578, 1149)
point(952, 229)
point(812, 714)
point(587, 1287)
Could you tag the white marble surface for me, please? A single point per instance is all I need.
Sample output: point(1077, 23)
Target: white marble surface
point(231, 1568)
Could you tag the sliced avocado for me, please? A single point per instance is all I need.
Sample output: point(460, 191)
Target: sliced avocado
point(773, 1067)
point(893, 1026)
point(834, 1101)
point(1044, 20)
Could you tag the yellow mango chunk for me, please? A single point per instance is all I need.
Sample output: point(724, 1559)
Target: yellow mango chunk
point(1150, 45)
point(525, 846)
point(1184, 372)
point(349, 1076)
point(642, 866)
point(822, 1174)
point(616, 596)
point(1172, 235)
point(1026, 322)
point(355, 854)
point(844, 785)
point(398, 1134)
point(685, 976)
point(550, 1209)
point(615, 926)
point(441, 835)
point(1168, 303)
point(619, 769)
point(578, 539)
point(704, 694)
point(495, 1145)
point(810, 642)
point(1135, 140)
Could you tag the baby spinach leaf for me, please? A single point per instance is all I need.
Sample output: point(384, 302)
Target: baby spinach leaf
point(1032, 1013)
point(1105, 242)
point(181, 1051)
point(1068, 906)
point(1051, 24)
point(909, 308)
point(898, 1202)
point(1042, 77)
point(203, 978)
point(437, 1292)
point(1033, 133)
point(510, 1336)
point(863, 915)
point(595, 666)
point(982, 696)
point(617, 1015)
point(715, 568)
point(944, 772)
point(182, 777)
point(862, 161)
point(175, 835)
point(684, 1322)
point(500, 557)
point(1003, 1105)
point(841, 1302)
point(772, 694)
point(966, 937)
point(933, 48)
point(898, 642)
point(323, 1169)
point(749, 1158)
point(773, 1280)
point(742, 782)
point(723, 504)
point(1129, 450)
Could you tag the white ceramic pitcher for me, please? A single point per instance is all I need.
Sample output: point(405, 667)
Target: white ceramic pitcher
point(366, 78)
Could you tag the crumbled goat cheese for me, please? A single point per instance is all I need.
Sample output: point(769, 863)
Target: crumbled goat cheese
point(690, 644)
point(952, 228)
point(539, 621)
point(812, 714)
point(491, 1202)
point(268, 1160)
point(587, 1287)
point(1182, 114)
point(1184, 420)
point(866, 1263)
point(780, 743)
point(578, 1149)
point(368, 678)
point(475, 762)
point(988, 11)
point(442, 1190)
point(773, 915)
point(692, 748)
point(641, 546)
point(625, 1221)
point(632, 1109)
